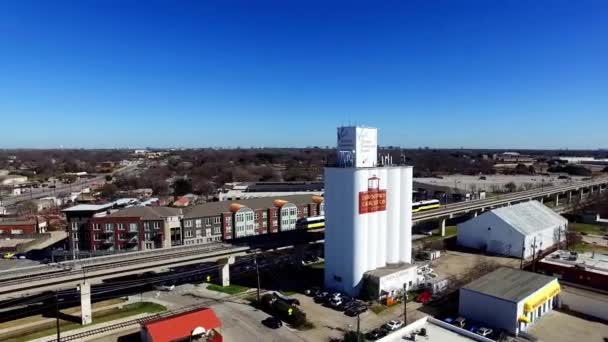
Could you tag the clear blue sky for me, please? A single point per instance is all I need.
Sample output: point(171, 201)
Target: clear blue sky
point(513, 74)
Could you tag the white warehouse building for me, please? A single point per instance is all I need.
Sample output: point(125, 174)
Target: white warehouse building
point(505, 231)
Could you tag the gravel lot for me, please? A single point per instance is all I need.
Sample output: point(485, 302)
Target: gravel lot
point(559, 326)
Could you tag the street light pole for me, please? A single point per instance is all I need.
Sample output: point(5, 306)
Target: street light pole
point(257, 272)
point(57, 317)
point(405, 303)
point(358, 328)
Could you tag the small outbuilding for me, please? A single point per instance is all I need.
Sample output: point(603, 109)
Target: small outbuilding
point(530, 226)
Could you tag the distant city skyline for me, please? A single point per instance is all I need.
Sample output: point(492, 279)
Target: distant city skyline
point(442, 74)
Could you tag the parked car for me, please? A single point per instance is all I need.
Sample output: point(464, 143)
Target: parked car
point(393, 325)
point(356, 310)
point(321, 297)
point(423, 297)
point(21, 256)
point(483, 331)
point(288, 300)
point(335, 302)
point(272, 322)
point(376, 334)
point(313, 291)
point(8, 255)
point(164, 287)
point(460, 322)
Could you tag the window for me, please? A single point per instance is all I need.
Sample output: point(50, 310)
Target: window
point(188, 233)
point(148, 236)
point(74, 225)
point(275, 214)
point(217, 230)
point(133, 227)
point(199, 233)
point(121, 226)
point(209, 239)
point(274, 222)
point(121, 236)
point(75, 236)
point(299, 211)
point(156, 225)
point(256, 216)
point(95, 227)
point(264, 214)
point(187, 223)
point(228, 221)
point(207, 221)
point(199, 223)
point(146, 225)
point(306, 211)
point(217, 220)
point(264, 223)
point(96, 237)
point(109, 227)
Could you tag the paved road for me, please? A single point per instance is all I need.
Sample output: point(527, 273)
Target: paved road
point(43, 192)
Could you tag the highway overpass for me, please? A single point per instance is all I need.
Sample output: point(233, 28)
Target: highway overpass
point(562, 194)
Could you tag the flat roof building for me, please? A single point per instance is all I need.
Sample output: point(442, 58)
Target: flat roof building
point(588, 269)
point(509, 299)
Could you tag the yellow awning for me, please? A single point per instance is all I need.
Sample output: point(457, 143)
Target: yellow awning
point(541, 296)
point(523, 318)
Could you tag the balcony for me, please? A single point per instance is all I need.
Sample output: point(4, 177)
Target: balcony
point(108, 241)
point(133, 231)
point(133, 240)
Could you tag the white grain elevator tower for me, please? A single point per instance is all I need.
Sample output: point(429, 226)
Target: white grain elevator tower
point(368, 211)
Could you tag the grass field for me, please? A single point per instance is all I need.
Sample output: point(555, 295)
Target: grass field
point(588, 228)
point(98, 317)
point(587, 247)
point(449, 232)
point(230, 289)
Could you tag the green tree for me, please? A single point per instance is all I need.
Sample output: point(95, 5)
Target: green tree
point(510, 187)
point(108, 191)
point(108, 178)
point(182, 186)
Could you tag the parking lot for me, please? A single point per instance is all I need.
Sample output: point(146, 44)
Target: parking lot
point(563, 327)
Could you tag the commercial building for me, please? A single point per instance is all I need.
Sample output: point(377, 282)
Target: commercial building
point(20, 228)
point(588, 269)
point(136, 228)
point(530, 226)
point(196, 325)
point(509, 299)
point(368, 210)
point(228, 220)
point(248, 190)
point(429, 329)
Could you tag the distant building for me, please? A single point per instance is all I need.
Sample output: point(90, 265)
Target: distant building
point(505, 231)
point(181, 202)
point(141, 193)
point(19, 228)
point(509, 299)
point(248, 190)
point(588, 269)
point(13, 180)
point(196, 325)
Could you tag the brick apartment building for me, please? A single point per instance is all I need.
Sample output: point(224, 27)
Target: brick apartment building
point(226, 220)
point(136, 228)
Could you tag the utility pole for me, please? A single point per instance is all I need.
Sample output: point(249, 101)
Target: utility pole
point(257, 272)
point(533, 253)
point(358, 328)
point(57, 317)
point(405, 303)
point(523, 254)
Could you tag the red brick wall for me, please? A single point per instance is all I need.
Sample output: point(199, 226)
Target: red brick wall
point(260, 220)
point(122, 244)
point(26, 227)
point(575, 275)
point(228, 227)
point(273, 228)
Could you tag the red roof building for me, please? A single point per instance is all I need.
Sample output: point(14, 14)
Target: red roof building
point(196, 325)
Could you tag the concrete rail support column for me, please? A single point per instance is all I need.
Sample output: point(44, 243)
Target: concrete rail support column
point(224, 267)
point(542, 200)
point(582, 193)
point(86, 317)
point(569, 197)
point(475, 213)
point(442, 226)
point(557, 200)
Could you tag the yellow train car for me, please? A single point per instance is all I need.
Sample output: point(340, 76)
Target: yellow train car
point(425, 205)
